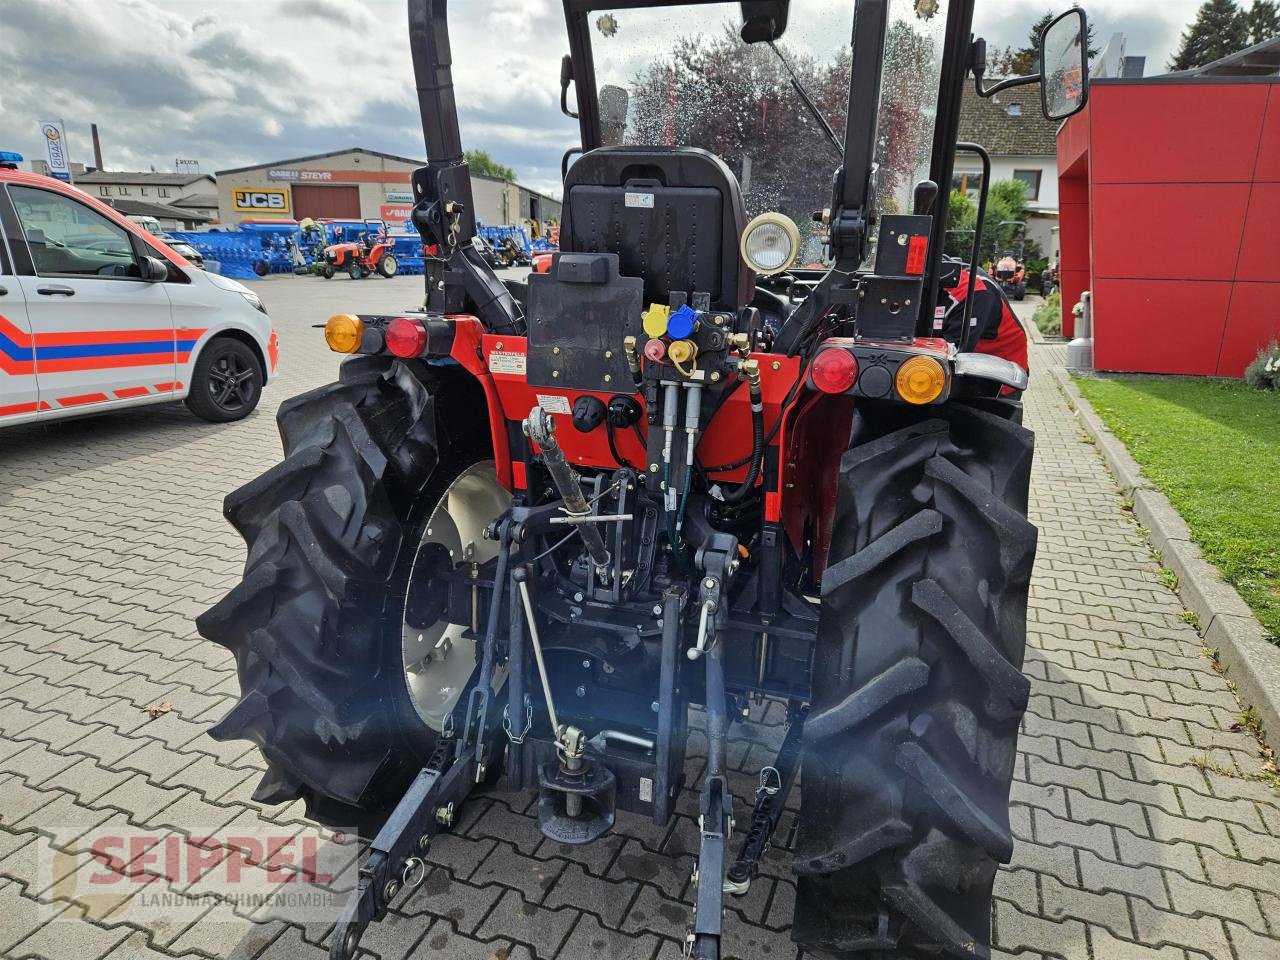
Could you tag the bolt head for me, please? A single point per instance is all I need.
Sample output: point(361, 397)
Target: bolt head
point(655, 706)
point(586, 664)
point(777, 364)
point(657, 609)
point(498, 345)
point(581, 692)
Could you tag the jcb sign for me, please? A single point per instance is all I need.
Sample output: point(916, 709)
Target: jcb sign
point(260, 201)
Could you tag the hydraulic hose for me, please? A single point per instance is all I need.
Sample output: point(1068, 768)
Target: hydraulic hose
point(752, 369)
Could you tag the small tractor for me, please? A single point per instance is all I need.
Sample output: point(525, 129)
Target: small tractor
point(550, 532)
point(368, 254)
point(1011, 269)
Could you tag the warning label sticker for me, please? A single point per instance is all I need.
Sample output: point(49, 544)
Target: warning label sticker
point(553, 403)
point(507, 362)
point(644, 200)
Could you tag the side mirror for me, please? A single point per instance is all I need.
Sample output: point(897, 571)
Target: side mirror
point(613, 114)
point(1064, 65)
point(764, 21)
point(154, 270)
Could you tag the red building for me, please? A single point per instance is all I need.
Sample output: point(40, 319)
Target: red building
point(1169, 191)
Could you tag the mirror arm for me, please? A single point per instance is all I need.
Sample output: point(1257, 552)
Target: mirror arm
point(987, 92)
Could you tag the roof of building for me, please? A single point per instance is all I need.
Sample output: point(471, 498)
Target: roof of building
point(1010, 124)
point(141, 208)
point(146, 178)
point(198, 200)
point(322, 156)
point(1260, 60)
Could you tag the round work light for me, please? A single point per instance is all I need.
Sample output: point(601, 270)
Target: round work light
point(770, 243)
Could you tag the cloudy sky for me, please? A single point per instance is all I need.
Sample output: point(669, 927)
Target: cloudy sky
point(241, 82)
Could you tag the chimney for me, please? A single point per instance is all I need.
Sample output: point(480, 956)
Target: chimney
point(97, 146)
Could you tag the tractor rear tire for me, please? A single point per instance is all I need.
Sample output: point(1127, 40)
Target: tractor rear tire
point(918, 691)
point(315, 625)
point(388, 266)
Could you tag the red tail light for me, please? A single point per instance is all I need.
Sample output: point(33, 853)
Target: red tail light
point(834, 371)
point(406, 338)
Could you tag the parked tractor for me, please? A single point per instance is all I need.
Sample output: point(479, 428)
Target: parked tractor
point(542, 531)
point(367, 254)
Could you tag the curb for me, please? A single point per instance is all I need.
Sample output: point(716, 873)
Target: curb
point(1226, 622)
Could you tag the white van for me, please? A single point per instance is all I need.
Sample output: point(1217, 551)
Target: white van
point(96, 315)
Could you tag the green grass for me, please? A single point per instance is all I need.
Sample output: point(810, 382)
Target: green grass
point(1213, 448)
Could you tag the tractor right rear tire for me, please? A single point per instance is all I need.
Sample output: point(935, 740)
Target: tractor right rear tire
point(316, 624)
point(918, 689)
point(388, 265)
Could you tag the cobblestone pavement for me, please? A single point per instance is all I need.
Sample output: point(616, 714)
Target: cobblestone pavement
point(1138, 836)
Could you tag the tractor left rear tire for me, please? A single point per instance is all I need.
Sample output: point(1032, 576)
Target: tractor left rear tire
point(918, 690)
point(388, 266)
point(315, 625)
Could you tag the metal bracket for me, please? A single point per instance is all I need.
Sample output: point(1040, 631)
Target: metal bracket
point(394, 856)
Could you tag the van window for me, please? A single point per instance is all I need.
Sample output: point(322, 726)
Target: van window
point(68, 239)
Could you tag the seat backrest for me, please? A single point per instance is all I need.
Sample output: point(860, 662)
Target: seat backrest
point(673, 215)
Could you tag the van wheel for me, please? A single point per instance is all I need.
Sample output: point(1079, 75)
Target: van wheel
point(226, 383)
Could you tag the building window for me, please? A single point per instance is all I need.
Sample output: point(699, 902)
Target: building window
point(124, 191)
point(968, 183)
point(1032, 179)
point(164, 191)
point(104, 191)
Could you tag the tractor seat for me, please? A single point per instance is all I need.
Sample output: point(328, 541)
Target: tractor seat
point(673, 215)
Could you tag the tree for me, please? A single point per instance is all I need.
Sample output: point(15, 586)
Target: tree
point(1026, 60)
point(1006, 207)
point(1219, 29)
point(481, 163)
point(1263, 20)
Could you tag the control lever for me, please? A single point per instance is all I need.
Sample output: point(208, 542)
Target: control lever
point(926, 195)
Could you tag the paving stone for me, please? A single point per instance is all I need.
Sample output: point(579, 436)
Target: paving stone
point(607, 899)
point(525, 922)
point(1018, 930)
point(68, 936)
point(1161, 926)
point(532, 877)
point(460, 903)
point(1109, 910)
point(590, 941)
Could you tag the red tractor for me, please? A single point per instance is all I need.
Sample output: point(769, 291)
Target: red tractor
point(367, 254)
point(541, 531)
